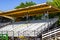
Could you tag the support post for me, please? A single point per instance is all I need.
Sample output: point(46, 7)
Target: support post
point(55, 37)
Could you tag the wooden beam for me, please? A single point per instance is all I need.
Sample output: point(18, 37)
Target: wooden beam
point(8, 17)
point(25, 11)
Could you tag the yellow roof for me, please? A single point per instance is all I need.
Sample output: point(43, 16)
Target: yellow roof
point(31, 10)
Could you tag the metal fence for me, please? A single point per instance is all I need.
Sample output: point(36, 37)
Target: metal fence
point(52, 34)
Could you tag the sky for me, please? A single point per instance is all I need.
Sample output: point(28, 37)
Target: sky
point(6, 5)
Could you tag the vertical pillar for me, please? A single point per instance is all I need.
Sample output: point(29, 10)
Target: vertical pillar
point(48, 20)
point(13, 35)
point(42, 16)
point(41, 28)
point(13, 19)
point(55, 37)
point(48, 23)
point(18, 35)
point(46, 15)
point(27, 18)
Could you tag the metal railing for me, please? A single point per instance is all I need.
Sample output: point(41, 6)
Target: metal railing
point(51, 32)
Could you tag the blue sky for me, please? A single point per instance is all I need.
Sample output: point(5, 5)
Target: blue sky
point(6, 5)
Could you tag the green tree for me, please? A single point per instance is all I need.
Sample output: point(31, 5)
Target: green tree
point(55, 3)
point(22, 5)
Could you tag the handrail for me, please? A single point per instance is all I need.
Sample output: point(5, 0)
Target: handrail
point(51, 30)
point(50, 33)
point(50, 24)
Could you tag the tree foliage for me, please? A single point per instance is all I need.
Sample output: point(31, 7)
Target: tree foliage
point(22, 5)
point(55, 3)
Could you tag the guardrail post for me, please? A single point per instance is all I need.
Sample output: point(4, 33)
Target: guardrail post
point(13, 35)
point(55, 37)
point(18, 35)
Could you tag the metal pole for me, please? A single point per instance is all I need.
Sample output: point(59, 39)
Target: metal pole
point(34, 34)
point(18, 35)
point(48, 22)
point(42, 31)
point(55, 37)
point(13, 35)
point(27, 19)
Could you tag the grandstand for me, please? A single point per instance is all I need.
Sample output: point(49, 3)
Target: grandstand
point(20, 24)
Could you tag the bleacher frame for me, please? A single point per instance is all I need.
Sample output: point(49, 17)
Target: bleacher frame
point(28, 11)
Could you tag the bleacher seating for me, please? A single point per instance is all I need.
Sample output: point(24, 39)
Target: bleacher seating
point(4, 24)
point(33, 28)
